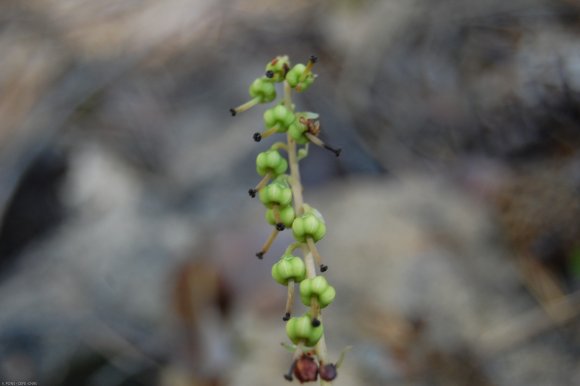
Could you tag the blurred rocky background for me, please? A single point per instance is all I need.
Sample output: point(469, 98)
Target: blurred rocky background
point(127, 237)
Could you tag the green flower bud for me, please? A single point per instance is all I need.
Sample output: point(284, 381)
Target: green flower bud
point(298, 80)
point(310, 224)
point(318, 288)
point(300, 330)
point(278, 116)
point(276, 193)
point(298, 128)
point(271, 161)
point(277, 68)
point(287, 216)
point(263, 90)
point(289, 268)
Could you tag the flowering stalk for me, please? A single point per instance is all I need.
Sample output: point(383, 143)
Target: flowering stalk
point(281, 194)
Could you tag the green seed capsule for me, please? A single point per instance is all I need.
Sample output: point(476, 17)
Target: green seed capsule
point(296, 79)
point(263, 89)
point(298, 129)
point(279, 116)
point(277, 67)
point(287, 216)
point(318, 288)
point(310, 224)
point(276, 193)
point(289, 268)
point(271, 161)
point(300, 330)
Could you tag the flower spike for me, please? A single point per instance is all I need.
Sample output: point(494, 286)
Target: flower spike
point(281, 194)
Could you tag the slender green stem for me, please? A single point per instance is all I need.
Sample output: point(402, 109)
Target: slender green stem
point(292, 247)
point(296, 185)
point(279, 145)
point(287, 96)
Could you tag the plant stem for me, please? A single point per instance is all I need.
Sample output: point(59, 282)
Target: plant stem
point(296, 185)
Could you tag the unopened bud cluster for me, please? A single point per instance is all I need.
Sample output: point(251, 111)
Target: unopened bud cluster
point(276, 191)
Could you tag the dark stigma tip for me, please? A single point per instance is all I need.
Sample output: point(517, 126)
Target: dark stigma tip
point(286, 317)
point(269, 74)
point(260, 255)
point(233, 111)
point(335, 151)
point(280, 227)
point(257, 137)
point(323, 268)
point(315, 322)
point(252, 193)
point(314, 58)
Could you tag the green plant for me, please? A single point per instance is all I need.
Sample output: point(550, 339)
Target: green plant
point(281, 194)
